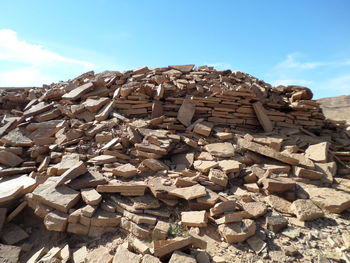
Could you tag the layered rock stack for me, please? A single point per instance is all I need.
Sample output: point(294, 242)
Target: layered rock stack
point(151, 152)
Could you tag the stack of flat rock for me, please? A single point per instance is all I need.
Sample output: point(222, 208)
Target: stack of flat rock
point(168, 150)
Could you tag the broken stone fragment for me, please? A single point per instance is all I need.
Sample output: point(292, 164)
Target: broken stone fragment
point(160, 231)
point(309, 174)
point(237, 232)
point(194, 218)
point(262, 116)
point(218, 177)
point(76, 170)
point(12, 234)
point(56, 221)
point(91, 196)
point(10, 159)
point(306, 210)
point(180, 257)
point(78, 92)
point(9, 254)
point(223, 207)
point(16, 138)
point(204, 166)
point(166, 247)
point(278, 185)
point(189, 193)
point(266, 151)
point(186, 112)
point(150, 259)
point(125, 170)
point(224, 149)
point(279, 204)
point(230, 166)
point(318, 152)
point(155, 165)
point(330, 199)
point(123, 255)
point(103, 159)
point(276, 223)
point(61, 198)
point(203, 128)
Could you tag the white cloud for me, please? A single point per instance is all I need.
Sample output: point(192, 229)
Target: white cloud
point(34, 65)
point(291, 63)
point(286, 82)
point(219, 65)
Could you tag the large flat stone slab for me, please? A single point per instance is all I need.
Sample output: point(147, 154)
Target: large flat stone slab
point(61, 198)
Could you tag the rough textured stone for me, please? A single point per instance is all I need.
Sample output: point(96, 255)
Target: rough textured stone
point(276, 223)
point(318, 152)
point(9, 254)
point(224, 149)
point(218, 177)
point(91, 196)
point(237, 232)
point(180, 257)
point(203, 128)
point(306, 210)
point(10, 159)
point(194, 218)
point(189, 193)
point(56, 221)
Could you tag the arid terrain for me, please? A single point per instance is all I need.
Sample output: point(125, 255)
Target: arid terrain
point(175, 164)
point(336, 108)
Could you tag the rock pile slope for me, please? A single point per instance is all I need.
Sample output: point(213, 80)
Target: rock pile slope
point(163, 155)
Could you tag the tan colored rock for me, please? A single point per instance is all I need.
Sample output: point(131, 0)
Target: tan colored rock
point(218, 177)
point(279, 204)
point(124, 188)
point(140, 218)
point(278, 185)
point(329, 170)
point(125, 170)
point(183, 68)
point(332, 200)
point(266, 151)
point(306, 210)
point(160, 231)
point(189, 193)
point(180, 257)
point(309, 174)
point(145, 202)
point(150, 259)
point(99, 255)
point(139, 246)
point(135, 229)
point(194, 218)
point(186, 112)
point(255, 209)
point(103, 218)
point(230, 166)
point(16, 138)
point(10, 159)
point(276, 223)
point(73, 172)
point(91, 196)
point(223, 207)
point(224, 149)
point(262, 116)
point(203, 128)
point(61, 198)
point(105, 112)
point(155, 165)
point(237, 232)
point(9, 254)
point(78, 92)
point(204, 166)
point(318, 152)
point(166, 247)
point(56, 221)
point(103, 159)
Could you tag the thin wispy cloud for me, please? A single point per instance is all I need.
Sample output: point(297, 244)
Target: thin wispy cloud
point(219, 65)
point(16, 50)
point(286, 82)
point(29, 64)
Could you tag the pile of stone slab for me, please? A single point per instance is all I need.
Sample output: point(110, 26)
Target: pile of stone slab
point(161, 154)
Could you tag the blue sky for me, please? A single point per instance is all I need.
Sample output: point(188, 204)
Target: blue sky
point(305, 42)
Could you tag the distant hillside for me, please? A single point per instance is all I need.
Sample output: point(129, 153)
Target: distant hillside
point(336, 108)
